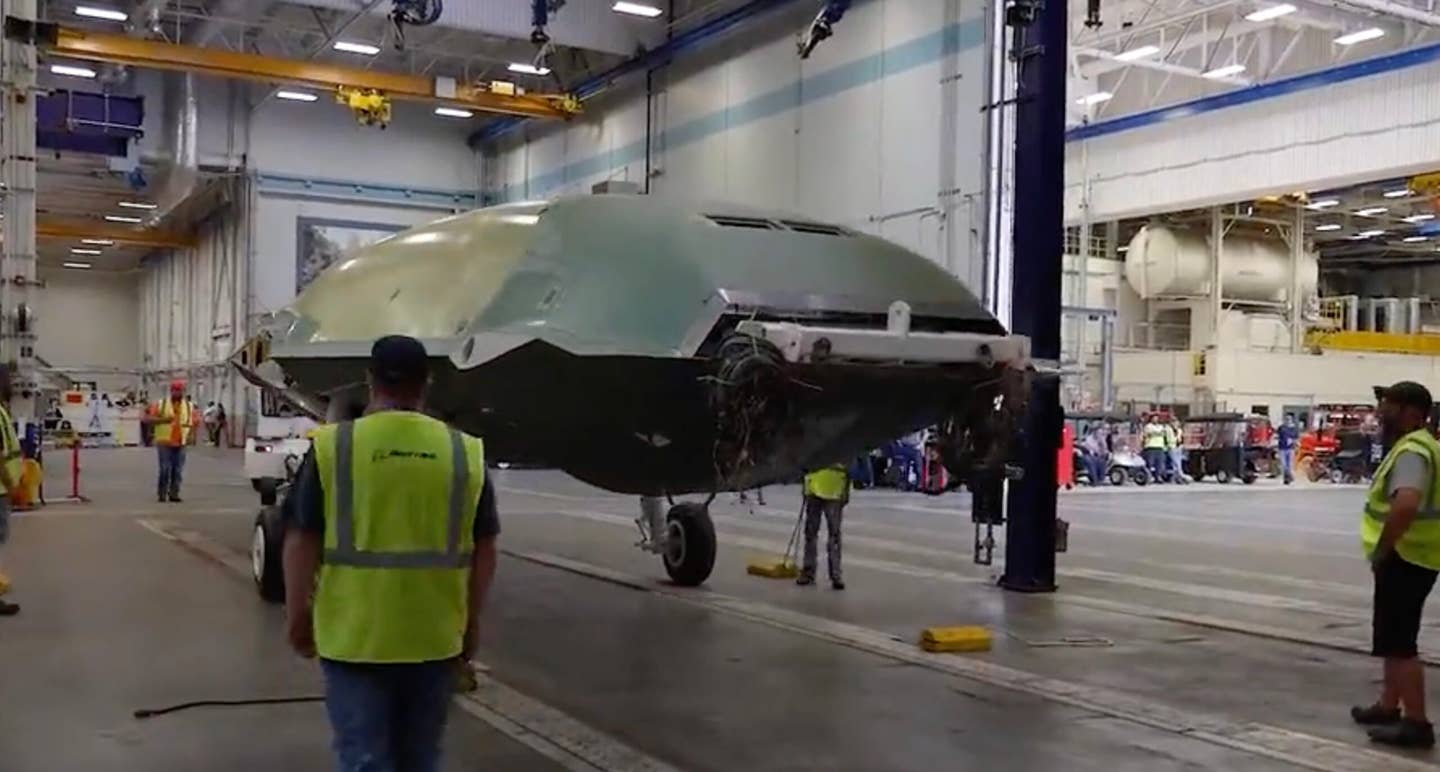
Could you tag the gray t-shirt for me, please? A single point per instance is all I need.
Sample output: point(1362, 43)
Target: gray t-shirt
point(1411, 470)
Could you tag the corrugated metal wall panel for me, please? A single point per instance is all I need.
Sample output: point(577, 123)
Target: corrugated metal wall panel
point(1372, 128)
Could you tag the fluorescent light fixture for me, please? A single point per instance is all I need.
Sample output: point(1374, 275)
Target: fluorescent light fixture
point(76, 265)
point(1413, 239)
point(1329, 226)
point(1123, 249)
point(146, 205)
point(1324, 203)
point(1095, 98)
point(1223, 72)
point(1372, 211)
point(72, 70)
point(1414, 218)
point(108, 14)
point(78, 251)
point(1136, 53)
point(1370, 234)
point(636, 9)
point(122, 218)
point(356, 48)
point(1359, 36)
point(1273, 12)
point(1400, 193)
point(296, 96)
point(98, 242)
point(528, 69)
point(454, 112)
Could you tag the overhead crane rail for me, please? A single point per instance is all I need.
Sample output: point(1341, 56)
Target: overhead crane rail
point(92, 46)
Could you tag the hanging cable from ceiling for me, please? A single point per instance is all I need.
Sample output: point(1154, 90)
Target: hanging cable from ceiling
point(413, 13)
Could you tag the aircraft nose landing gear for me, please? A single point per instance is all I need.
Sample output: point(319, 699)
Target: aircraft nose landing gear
point(683, 537)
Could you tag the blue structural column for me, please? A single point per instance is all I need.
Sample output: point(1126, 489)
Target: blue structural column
point(1039, 48)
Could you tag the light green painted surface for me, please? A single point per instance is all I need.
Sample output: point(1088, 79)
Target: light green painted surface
point(600, 274)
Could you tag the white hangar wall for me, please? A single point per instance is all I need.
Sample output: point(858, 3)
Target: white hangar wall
point(880, 130)
point(1330, 132)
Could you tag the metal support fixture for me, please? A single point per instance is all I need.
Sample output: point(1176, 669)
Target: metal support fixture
point(1041, 32)
point(17, 173)
point(1297, 254)
point(159, 55)
point(1217, 254)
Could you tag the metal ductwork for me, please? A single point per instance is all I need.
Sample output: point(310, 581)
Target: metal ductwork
point(182, 138)
point(1393, 10)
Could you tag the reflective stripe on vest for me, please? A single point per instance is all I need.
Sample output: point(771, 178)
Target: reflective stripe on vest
point(345, 554)
point(1420, 544)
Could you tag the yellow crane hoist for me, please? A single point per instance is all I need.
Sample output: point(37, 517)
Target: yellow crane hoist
point(371, 107)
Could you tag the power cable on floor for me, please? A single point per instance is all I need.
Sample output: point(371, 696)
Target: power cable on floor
point(144, 713)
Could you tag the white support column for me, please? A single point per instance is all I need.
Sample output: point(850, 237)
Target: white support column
point(1297, 255)
point(1217, 254)
point(17, 174)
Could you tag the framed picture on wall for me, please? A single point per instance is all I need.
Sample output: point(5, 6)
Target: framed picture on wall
point(320, 242)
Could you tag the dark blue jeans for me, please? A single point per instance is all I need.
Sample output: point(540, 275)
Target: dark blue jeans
point(388, 718)
point(172, 466)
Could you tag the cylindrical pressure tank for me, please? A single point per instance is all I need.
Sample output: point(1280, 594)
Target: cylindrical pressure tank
point(1165, 261)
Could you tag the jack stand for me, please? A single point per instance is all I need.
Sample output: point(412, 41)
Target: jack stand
point(987, 510)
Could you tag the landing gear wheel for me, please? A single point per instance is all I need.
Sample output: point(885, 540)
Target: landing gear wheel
point(265, 546)
point(1222, 476)
point(689, 544)
point(1117, 476)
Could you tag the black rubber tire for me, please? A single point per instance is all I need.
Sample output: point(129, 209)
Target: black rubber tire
point(266, 567)
point(689, 555)
point(1117, 476)
point(1222, 476)
point(1141, 477)
point(269, 490)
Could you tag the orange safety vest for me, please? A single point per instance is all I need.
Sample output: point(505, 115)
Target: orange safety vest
point(173, 430)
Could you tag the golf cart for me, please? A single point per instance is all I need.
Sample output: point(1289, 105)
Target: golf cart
point(1216, 446)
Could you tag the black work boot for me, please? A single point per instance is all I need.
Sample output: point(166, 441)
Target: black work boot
point(837, 584)
point(175, 497)
point(8, 609)
point(1405, 733)
point(1374, 715)
point(805, 580)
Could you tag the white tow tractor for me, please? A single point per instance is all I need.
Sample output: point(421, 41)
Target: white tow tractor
point(272, 458)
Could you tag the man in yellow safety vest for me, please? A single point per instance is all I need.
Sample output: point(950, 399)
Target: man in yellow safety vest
point(9, 479)
point(1400, 531)
point(389, 553)
point(1153, 447)
point(171, 421)
point(826, 491)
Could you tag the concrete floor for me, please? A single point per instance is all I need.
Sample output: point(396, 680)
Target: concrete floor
point(1205, 627)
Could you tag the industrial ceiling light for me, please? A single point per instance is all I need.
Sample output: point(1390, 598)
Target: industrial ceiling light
point(1223, 72)
point(296, 96)
point(123, 218)
point(356, 48)
point(636, 9)
point(76, 265)
point(454, 112)
point(72, 70)
point(1371, 211)
point(1136, 53)
point(78, 251)
point(1273, 12)
point(146, 205)
point(98, 242)
point(1369, 234)
point(1359, 36)
point(1414, 218)
point(528, 69)
point(1324, 203)
point(1095, 98)
point(108, 14)
point(1398, 193)
point(1329, 226)
point(1413, 239)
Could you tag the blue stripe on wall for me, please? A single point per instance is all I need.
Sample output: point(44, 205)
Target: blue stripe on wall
point(283, 184)
point(837, 80)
